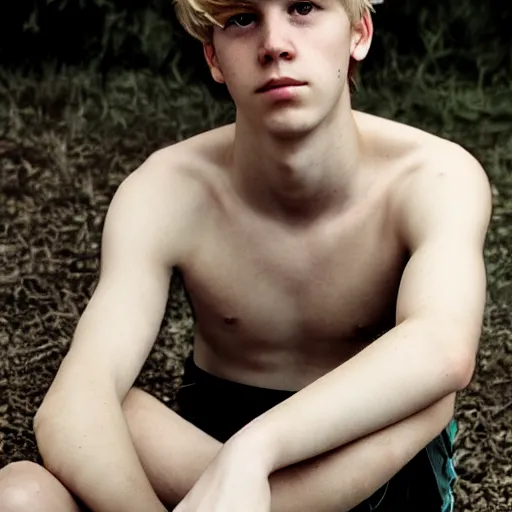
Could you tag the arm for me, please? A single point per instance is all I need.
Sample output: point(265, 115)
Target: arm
point(344, 477)
point(431, 351)
point(80, 428)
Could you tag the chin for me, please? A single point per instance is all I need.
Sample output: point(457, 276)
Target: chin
point(292, 125)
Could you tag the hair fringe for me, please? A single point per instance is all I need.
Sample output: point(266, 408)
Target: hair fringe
point(199, 16)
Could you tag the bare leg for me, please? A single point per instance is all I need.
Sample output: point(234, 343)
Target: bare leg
point(174, 454)
point(28, 487)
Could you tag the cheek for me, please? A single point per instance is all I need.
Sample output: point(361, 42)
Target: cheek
point(230, 63)
point(331, 54)
point(236, 82)
point(236, 70)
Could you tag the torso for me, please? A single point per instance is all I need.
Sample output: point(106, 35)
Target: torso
point(278, 306)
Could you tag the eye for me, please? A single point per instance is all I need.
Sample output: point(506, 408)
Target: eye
point(302, 8)
point(241, 20)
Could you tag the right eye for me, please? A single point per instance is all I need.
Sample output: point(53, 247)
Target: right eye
point(241, 20)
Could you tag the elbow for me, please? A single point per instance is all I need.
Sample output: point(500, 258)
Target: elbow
point(38, 420)
point(456, 355)
point(41, 420)
point(42, 429)
point(45, 428)
point(53, 457)
point(461, 367)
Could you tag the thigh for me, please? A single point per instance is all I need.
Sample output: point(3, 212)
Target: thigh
point(173, 452)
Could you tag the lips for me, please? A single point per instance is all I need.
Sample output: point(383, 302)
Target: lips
point(279, 82)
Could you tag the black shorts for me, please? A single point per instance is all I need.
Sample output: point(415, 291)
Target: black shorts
point(221, 408)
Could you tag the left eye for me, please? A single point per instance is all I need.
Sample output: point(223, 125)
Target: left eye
point(241, 20)
point(244, 19)
point(302, 8)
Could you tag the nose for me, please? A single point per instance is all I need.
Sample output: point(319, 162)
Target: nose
point(275, 43)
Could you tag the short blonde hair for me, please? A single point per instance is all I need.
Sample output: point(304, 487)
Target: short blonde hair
point(198, 16)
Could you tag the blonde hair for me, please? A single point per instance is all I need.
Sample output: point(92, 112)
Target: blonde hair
point(198, 16)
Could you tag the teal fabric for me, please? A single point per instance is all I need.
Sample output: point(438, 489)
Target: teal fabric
point(440, 454)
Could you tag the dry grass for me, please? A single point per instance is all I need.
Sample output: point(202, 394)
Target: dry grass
point(68, 139)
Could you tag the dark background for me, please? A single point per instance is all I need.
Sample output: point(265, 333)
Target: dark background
point(88, 89)
point(466, 37)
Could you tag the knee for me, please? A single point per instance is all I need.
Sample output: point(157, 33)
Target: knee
point(21, 485)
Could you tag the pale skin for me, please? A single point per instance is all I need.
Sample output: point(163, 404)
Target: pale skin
point(333, 200)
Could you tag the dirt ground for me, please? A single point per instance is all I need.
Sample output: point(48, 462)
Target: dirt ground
point(66, 142)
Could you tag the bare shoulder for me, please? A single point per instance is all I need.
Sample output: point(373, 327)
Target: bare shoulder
point(445, 169)
point(444, 187)
point(180, 168)
point(166, 194)
point(422, 165)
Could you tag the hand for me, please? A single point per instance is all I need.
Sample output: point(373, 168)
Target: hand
point(232, 483)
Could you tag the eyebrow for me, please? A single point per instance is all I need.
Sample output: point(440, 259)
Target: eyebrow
point(252, 3)
point(223, 13)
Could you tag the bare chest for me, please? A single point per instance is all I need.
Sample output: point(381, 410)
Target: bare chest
point(322, 293)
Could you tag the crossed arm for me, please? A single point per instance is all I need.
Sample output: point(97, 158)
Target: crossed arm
point(429, 355)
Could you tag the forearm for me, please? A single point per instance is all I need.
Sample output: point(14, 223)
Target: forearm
point(332, 482)
point(343, 478)
point(86, 444)
point(399, 374)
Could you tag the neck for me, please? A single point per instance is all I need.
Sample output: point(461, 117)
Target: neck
point(302, 177)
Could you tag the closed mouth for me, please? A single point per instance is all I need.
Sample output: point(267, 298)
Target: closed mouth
point(276, 84)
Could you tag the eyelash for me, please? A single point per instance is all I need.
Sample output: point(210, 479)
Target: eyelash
point(232, 20)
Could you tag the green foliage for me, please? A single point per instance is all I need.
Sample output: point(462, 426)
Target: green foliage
point(98, 33)
point(463, 37)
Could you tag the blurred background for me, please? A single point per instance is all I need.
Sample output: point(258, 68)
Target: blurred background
point(89, 88)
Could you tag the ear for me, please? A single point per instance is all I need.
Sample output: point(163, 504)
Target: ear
point(362, 34)
point(213, 63)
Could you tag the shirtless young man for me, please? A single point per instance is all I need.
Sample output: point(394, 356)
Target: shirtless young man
point(326, 252)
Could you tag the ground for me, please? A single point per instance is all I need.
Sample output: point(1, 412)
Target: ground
point(66, 142)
